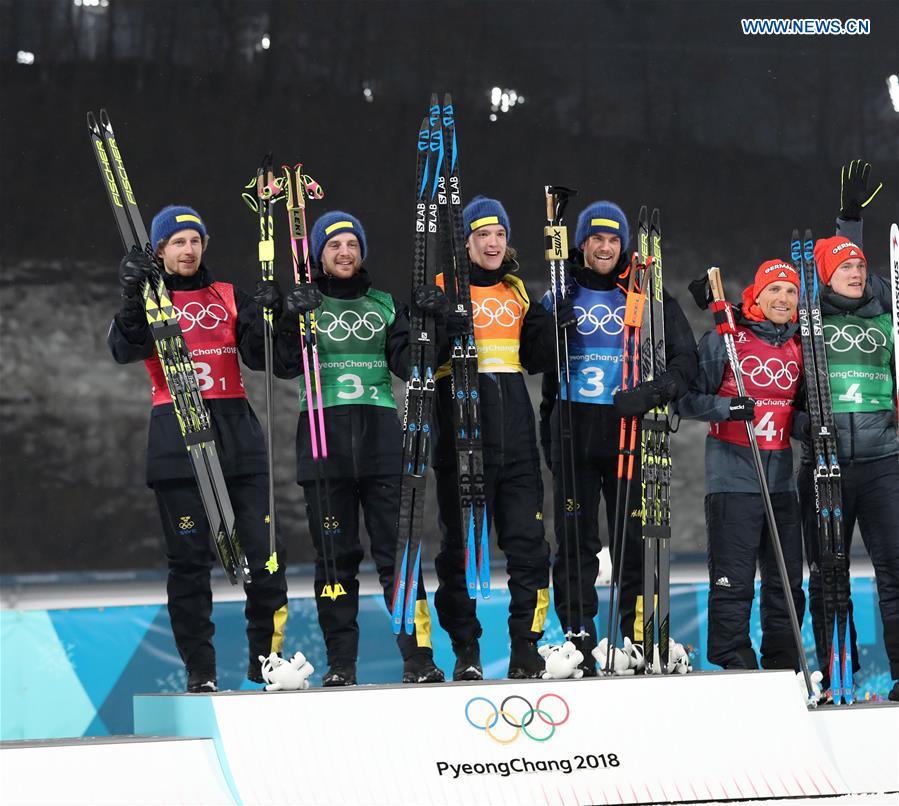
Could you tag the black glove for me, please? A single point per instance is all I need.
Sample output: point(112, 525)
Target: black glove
point(430, 299)
point(268, 295)
point(643, 397)
point(855, 189)
point(302, 299)
point(801, 429)
point(741, 408)
point(135, 268)
point(565, 313)
point(456, 325)
point(701, 291)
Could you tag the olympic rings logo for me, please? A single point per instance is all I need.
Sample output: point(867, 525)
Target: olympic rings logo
point(491, 311)
point(339, 328)
point(207, 317)
point(773, 371)
point(599, 321)
point(843, 339)
point(518, 715)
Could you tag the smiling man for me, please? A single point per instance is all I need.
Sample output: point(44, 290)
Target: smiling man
point(219, 322)
point(738, 538)
point(856, 310)
point(362, 336)
point(596, 280)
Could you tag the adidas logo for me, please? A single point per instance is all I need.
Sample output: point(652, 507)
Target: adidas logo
point(722, 582)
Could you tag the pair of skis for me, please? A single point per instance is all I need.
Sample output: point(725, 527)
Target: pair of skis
point(298, 188)
point(556, 251)
point(635, 304)
point(834, 560)
point(174, 357)
point(439, 243)
point(726, 327)
point(260, 194)
point(655, 455)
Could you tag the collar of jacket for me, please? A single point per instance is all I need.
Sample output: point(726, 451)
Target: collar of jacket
point(175, 282)
point(833, 303)
point(766, 329)
point(483, 278)
point(349, 288)
point(594, 280)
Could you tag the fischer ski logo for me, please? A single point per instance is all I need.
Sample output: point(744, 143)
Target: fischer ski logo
point(107, 169)
point(126, 182)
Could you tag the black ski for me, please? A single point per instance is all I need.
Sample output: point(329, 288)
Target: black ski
point(419, 404)
point(655, 457)
point(826, 473)
point(174, 356)
point(463, 365)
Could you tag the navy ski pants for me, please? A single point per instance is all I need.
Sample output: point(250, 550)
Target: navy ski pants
point(191, 556)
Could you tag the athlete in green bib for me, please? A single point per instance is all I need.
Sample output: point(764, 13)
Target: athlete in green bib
point(363, 337)
point(856, 309)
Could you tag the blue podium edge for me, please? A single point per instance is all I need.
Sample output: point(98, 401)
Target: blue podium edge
point(191, 715)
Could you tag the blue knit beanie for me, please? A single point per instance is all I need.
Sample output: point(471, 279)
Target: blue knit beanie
point(602, 216)
point(331, 224)
point(481, 211)
point(172, 219)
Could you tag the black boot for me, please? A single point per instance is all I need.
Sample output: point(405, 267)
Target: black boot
point(340, 674)
point(893, 696)
point(420, 668)
point(202, 681)
point(585, 646)
point(525, 662)
point(468, 661)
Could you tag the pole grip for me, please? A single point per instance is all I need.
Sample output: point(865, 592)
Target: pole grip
point(715, 284)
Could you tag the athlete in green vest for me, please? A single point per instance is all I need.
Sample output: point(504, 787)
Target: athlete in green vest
point(856, 309)
point(362, 337)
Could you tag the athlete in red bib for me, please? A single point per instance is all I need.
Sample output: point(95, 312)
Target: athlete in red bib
point(219, 322)
point(738, 537)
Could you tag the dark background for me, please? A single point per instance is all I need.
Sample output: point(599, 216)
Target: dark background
point(737, 139)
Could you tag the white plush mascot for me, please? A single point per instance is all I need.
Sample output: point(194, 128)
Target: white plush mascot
point(678, 659)
point(284, 675)
point(626, 659)
point(815, 697)
point(561, 661)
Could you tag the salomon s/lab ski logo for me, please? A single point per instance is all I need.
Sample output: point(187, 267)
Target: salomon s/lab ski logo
point(186, 525)
point(515, 716)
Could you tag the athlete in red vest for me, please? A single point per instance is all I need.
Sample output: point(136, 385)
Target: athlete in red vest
point(219, 322)
point(771, 363)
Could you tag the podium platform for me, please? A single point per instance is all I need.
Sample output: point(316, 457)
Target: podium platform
point(699, 738)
